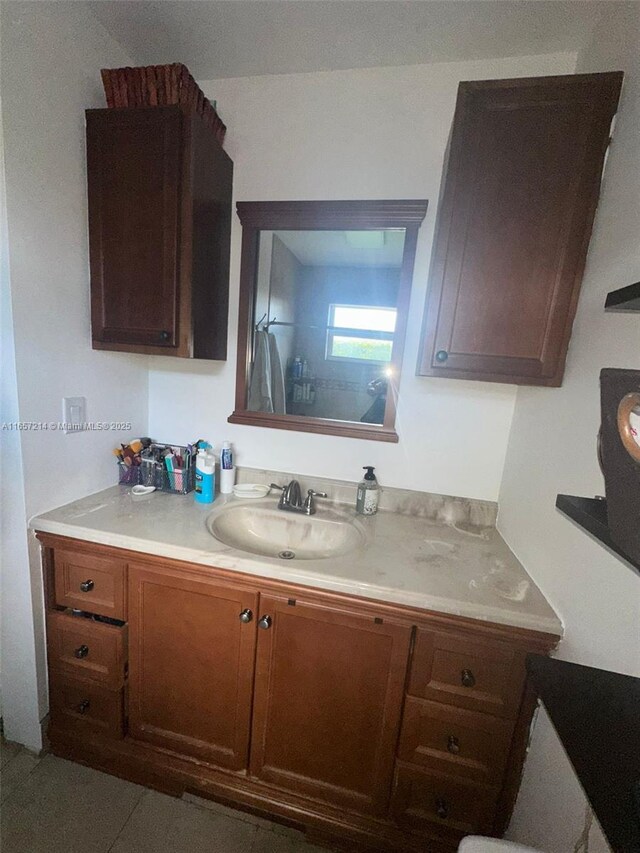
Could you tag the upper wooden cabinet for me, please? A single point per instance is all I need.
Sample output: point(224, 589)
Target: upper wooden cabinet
point(160, 191)
point(519, 194)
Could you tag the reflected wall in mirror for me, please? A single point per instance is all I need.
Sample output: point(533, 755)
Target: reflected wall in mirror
point(324, 295)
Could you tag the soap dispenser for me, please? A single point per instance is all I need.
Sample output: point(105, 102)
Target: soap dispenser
point(368, 493)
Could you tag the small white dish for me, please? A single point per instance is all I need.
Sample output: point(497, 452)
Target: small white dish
point(251, 490)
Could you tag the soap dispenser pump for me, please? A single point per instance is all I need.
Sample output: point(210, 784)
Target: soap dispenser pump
point(368, 493)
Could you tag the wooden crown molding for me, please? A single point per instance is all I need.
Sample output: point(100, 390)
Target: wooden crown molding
point(332, 214)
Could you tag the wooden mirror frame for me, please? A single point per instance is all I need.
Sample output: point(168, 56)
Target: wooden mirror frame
point(257, 216)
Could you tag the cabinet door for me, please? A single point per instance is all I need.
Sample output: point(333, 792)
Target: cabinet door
point(514, 221)
point(327, 703)
point(133, 173)
point(191, 664)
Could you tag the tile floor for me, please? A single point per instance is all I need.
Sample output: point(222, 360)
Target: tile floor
point(54, 806)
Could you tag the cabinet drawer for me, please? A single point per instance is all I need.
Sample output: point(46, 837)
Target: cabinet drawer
point(455, 741)
point(87, 582)
point(81, 647)
point(427, 801)
point(481, 675)
point(79, 704)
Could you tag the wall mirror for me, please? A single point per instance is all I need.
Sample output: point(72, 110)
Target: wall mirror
point(324, 296)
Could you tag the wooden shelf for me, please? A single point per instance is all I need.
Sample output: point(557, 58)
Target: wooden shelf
point(591, 515)
point(596, 715)
point(624, 299)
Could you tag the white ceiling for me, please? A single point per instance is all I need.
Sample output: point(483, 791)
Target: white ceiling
point(239, 38)
point(331, 249)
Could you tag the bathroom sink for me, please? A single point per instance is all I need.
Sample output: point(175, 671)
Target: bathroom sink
point(270, 532)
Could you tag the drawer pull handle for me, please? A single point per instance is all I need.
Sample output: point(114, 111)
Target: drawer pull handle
point(453, 745)
point(265, 622)
point(442, 808)
point(468, 678)
point(87, 586)
point(246, 616)
point(81, 652)
point(83, 707)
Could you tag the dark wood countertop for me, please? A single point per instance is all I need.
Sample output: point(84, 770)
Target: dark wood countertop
point(596, 715)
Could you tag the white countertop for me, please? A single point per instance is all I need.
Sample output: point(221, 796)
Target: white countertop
point(406, 560)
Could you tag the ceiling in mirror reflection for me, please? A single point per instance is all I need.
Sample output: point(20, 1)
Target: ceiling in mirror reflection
point(373, 248)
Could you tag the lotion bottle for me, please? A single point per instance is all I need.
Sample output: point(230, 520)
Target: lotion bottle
point(368, 493)
point(205, 474)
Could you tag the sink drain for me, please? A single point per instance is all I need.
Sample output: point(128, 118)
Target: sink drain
point(286, 555)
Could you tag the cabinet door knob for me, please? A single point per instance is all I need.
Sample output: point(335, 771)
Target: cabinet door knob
point(442, 808)
point(83, 707)
point(87, 586)
point(164, 335)
point(467, 678)
point(442, 355)
point(81, 652)
point(246, 615)
point(265, 622)
point(453, 745)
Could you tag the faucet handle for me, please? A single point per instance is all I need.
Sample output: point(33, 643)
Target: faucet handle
point(312, 494)
point(309, 504)
point(283, 497)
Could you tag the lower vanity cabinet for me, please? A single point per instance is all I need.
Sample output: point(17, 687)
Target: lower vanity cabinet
point(441, 804)
point(328, 698)
point(454, 741)
point(372, 726)
point(191, 656)
point(468, 671)
point(86, 649)
point(86, 707)
point(465, 693)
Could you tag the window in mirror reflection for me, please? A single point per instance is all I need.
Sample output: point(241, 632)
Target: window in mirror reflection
point(360, 333)
point(325, 312)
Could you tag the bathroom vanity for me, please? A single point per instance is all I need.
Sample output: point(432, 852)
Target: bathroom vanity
point(377, 698)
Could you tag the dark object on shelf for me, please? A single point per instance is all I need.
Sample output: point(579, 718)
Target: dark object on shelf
point(620, 455)
point(520, 190)
point(591, 515)
point(160, 86)
point(159, 191)
point(596, 715)
point(624, 299)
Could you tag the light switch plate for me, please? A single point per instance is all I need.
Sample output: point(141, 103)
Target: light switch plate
point(74, 413)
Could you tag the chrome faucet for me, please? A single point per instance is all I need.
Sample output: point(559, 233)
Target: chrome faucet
point(291, 498)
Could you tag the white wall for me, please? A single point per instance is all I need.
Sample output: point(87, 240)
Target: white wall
point(374, 133)
point(17, 653)
point(51, 57)
point(552, 449)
